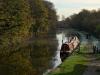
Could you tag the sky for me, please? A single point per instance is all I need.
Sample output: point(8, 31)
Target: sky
point(69, 7)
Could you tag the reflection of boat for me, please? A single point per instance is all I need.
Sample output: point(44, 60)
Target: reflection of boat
point(68, 47)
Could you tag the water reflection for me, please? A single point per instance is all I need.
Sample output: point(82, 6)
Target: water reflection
point(43, 50)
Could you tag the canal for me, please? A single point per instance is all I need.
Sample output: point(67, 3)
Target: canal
point(46, 51)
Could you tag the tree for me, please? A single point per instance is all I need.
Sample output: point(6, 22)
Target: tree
point(15, 20)
point(52, 17)
point(15, 23)
point(19, 18)
point(85, 20)
point(40, 16)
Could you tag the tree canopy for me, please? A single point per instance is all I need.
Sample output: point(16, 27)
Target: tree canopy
point(18, 20)
point(85, 20)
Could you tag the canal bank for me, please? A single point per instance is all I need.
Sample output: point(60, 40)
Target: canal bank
point(77, 63)
point(82, 63)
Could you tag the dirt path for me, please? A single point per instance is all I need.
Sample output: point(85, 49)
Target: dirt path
point(93, 66)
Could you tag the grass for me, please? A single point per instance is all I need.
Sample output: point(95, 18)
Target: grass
point(73, 65)
point(76, 64)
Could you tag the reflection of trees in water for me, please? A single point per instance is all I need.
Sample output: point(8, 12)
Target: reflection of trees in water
point(42, 53)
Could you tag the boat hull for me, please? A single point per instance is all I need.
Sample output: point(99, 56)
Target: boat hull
point(68, 48)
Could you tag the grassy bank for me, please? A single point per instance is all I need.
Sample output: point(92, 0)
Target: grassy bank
point(73, 65)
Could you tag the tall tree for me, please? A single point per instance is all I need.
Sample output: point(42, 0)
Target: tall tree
point(15, 23)
point(40, 15)
point(15, 20)
point(52, 17)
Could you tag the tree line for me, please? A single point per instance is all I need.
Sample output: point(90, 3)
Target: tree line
point(85, 20)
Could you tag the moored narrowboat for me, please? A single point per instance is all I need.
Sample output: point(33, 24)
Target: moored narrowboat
point(68, 47)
